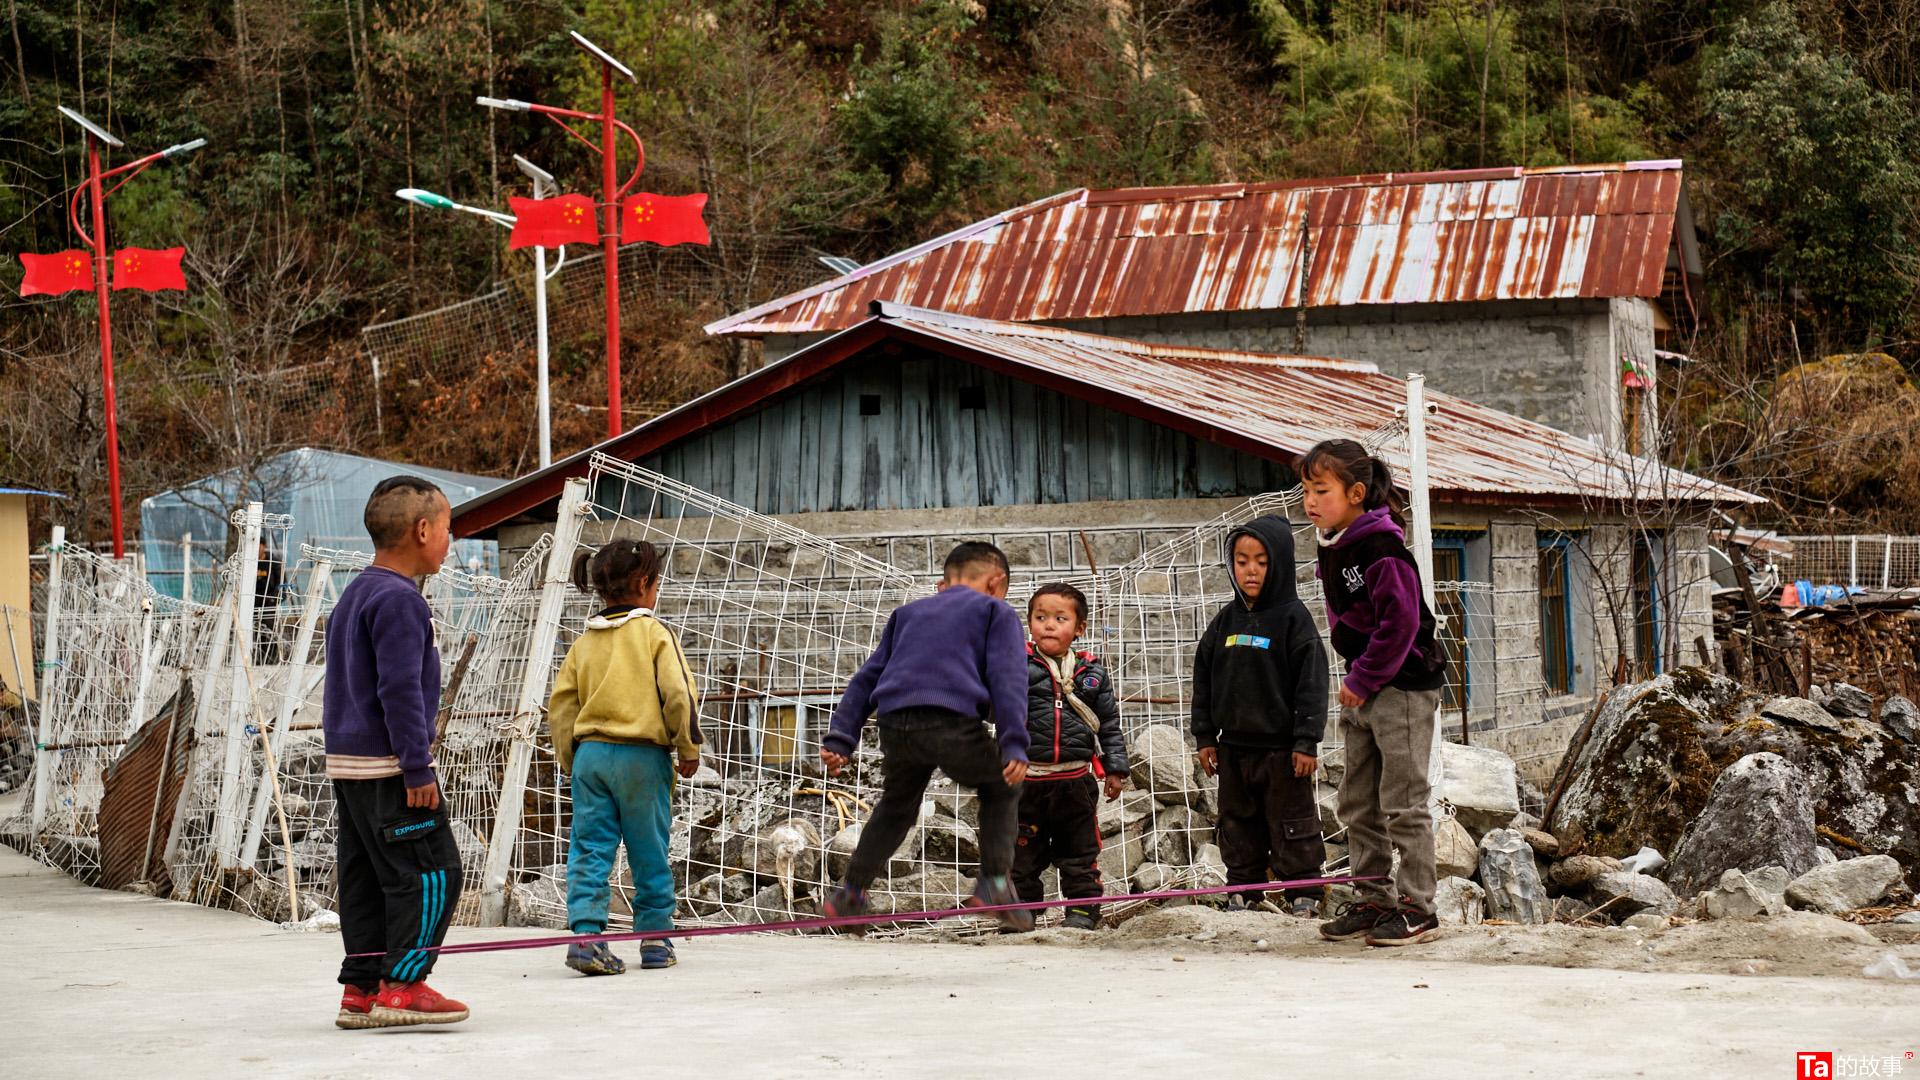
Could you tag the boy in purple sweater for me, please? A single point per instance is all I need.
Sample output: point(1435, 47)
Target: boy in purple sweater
point(945, 664)
point(399, 868)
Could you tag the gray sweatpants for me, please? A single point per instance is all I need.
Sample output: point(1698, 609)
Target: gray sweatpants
point(1384, 794)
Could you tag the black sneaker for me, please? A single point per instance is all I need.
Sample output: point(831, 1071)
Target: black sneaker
point(1304, 907)
point(1353, 920)
point(1404, 927)
point(843, 902)
point(995, 891)
point(1081, 919)
point(1237, 901)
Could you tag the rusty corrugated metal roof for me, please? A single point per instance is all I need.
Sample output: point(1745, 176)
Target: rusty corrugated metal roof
point(1272, 406)
point(1393, 238)
point(1291, 403)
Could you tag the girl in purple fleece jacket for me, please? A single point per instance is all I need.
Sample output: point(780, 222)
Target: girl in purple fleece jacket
point(1380, 625)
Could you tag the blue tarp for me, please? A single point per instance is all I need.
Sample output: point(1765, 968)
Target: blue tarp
point(323, 492)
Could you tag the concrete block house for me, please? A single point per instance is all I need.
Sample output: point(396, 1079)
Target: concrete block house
point(1079, 452)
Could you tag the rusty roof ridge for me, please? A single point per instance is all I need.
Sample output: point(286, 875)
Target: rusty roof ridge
point(893, 310)
point(719, 326)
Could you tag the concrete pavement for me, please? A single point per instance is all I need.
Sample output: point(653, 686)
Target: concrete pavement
point(99, 984)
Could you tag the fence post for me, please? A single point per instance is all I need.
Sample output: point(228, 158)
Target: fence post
point(1420, 515)
point(186, 567)
point(1886, 566)
point(526, 711)
point(227, 813)
point(1853, 562)
point(52, 684)
point(296, 678)
point(147, 663)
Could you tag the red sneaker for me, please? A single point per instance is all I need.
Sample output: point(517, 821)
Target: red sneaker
point(356, 1008)
point(400, 1004)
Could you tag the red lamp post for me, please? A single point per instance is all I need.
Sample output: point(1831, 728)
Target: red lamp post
point(610, 194)
point(97, 242)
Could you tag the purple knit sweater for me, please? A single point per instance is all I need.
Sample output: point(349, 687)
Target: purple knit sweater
point(1385, 610)
point(383, 681)
point(959, 650)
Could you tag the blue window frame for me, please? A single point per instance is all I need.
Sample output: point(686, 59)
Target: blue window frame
point(1450, 564)
point(1556, 615)
point(1646, 609)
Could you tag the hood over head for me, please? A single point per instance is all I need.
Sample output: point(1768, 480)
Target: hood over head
point(1276, 534)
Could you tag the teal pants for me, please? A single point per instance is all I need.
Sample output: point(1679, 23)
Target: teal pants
point(620, 792)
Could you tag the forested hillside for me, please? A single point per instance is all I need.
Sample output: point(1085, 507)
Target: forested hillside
point(856, 127)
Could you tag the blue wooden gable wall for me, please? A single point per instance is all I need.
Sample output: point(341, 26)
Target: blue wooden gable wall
point(917, 431)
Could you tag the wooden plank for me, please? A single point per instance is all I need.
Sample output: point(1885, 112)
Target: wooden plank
point(1050, 410)
point(958, 436)
point(791, 461)
point(1106, 454)
point(849, 494)
point(1073, 449)
point(744, 466)
point(1023, 443)
point(914, 461)
point(1216, 474)
point(767, 482)
point(825, 410)
point(993, 426)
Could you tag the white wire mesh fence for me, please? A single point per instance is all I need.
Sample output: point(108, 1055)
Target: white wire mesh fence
point(773, 621)
point(1877, 562)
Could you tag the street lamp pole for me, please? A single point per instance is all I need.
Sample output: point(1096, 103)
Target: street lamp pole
point(611, 191)
point(543, 186)
point(97, 242)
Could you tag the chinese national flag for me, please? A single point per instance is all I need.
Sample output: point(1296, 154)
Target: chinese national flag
point(665, 219)
point(144, 268)
point(51, 275)
point(552, 222)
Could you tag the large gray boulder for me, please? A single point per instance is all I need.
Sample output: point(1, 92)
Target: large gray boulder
point(1512, 881)
point(1845, 699)
point(1657, 747)
point(1481, 785)
point(1163, 763)
point(1740, 897)
point(1759, 813)
point(1454, 852)
point(1459, 902)
point(1624, 893)
point(1844, 885)
point(1902, 717)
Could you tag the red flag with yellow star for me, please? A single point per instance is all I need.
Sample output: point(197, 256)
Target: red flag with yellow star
point(51, 275)
point(665, 219)
point(552, 222)
point(145, 268)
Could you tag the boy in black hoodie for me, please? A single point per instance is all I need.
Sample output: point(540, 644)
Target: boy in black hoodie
point(1259, 709)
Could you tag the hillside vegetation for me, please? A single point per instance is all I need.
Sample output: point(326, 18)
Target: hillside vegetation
point(857, 127)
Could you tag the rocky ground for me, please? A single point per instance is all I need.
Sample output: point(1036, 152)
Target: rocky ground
point(1799, 943)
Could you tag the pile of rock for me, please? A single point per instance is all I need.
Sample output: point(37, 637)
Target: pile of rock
point(1767, 804)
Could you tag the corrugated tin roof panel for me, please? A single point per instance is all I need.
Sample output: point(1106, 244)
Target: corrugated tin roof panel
point(1484, 234)
point(1290, 403)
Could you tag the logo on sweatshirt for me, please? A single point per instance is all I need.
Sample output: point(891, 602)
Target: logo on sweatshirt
point(1355, 580)
point(1090, 682)
point(1248, 641)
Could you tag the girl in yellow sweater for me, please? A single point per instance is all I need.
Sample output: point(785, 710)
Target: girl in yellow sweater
point(624, 708)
